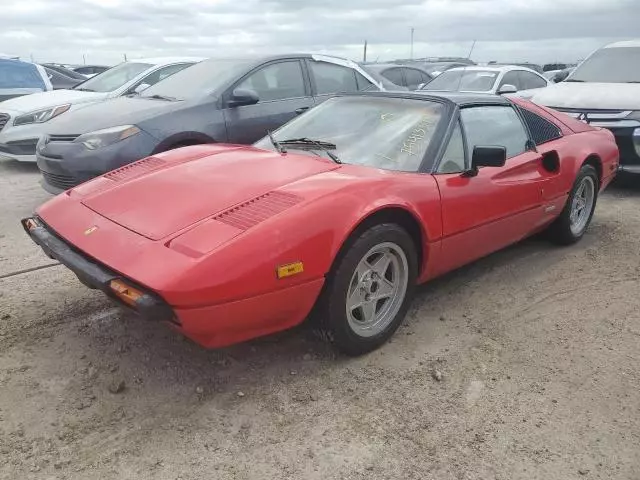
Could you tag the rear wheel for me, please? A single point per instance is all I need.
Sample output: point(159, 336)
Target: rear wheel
point(369, 290)
point(576, 216)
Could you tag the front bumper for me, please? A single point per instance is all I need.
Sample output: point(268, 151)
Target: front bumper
point(19, 143)
point(66, 164)
point(624, 127)
point(629, 158)
point(92, 274)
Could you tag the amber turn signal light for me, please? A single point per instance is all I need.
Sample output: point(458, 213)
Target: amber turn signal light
point(124, 292)
point(31, 224)
point(289, 270)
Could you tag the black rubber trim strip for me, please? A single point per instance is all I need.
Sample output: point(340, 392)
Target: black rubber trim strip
point(94, 275)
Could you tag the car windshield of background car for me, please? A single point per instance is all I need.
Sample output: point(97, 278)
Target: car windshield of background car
point(463, 80)
point(114, 78)
point(610, 65)
point(198, 79)
point(386, 133)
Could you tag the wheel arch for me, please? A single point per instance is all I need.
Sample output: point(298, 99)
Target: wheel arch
point(182, 139)
point(596, 162)
point(399, 215)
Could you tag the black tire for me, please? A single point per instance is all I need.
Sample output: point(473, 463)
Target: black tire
point(559, 231)
point(330, 313)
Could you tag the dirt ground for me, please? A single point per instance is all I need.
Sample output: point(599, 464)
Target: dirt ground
point(538, 346)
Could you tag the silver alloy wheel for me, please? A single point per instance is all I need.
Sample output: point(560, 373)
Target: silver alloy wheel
point(377, 289)
point(582, 205)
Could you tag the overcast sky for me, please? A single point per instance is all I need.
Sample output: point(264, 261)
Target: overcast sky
point(516, 30)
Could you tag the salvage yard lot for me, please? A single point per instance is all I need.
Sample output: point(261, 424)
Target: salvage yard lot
point(538, 347)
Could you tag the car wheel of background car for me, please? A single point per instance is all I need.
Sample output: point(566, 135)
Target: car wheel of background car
point(369, 289)
point(570, 226)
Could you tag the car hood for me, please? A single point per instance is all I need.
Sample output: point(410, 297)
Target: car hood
point(116, 112)
point(159, 196)
point(596, 96)
point(42, 100)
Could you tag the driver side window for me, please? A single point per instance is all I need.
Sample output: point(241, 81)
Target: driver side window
point(453, 158)
point(494, 126)
point(277, 81)
point(511, 78)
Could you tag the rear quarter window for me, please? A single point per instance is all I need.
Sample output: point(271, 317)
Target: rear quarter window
point(542, 130)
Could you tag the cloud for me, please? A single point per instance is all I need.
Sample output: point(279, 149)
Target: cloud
point(104, 30)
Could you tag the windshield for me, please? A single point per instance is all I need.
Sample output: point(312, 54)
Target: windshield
point(610, 65)
point(114, 78)
point(463, 80)
point(198, 79)
point(387, 133)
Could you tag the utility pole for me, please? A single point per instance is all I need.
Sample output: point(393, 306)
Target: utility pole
point(364, 57)
point(411, 57)
point(125, 57)
point(84, 59)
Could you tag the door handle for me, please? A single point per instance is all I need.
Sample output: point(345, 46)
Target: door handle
point(301, 110)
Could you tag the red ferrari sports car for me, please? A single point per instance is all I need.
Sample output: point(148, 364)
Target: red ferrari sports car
point(338, 214)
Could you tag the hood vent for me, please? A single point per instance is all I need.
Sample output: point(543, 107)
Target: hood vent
point(253, 212)
point(134, 169)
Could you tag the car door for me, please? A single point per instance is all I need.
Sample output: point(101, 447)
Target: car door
point(283, 93)
point(498, 206)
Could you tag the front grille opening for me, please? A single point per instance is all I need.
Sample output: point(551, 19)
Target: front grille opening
point(62, 138)
point(64, 182)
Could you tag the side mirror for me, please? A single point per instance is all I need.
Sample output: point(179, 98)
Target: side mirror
point(507, 88)
point(243, 96)
point(141, 87)
point(488, 157)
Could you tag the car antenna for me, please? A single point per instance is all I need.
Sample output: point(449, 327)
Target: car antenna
point(473, 45)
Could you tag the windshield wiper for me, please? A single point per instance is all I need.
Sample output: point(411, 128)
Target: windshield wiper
point(160, 97)
point(305, 142)
point(574, 80)
point(84, 89)
point(279, 148)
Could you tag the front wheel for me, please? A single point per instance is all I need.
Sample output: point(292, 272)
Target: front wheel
point(576, 216)
point(369, 290)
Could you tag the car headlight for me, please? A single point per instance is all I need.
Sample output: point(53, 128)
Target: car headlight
point(635, 135)
point(41, 116)
point(108, 136)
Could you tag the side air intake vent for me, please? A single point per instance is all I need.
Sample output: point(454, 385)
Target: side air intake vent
point(134, 169)
point(251, 213)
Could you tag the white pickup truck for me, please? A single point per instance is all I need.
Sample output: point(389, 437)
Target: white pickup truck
point(604, 91)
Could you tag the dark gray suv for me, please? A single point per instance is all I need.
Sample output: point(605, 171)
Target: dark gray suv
point(218, 100)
